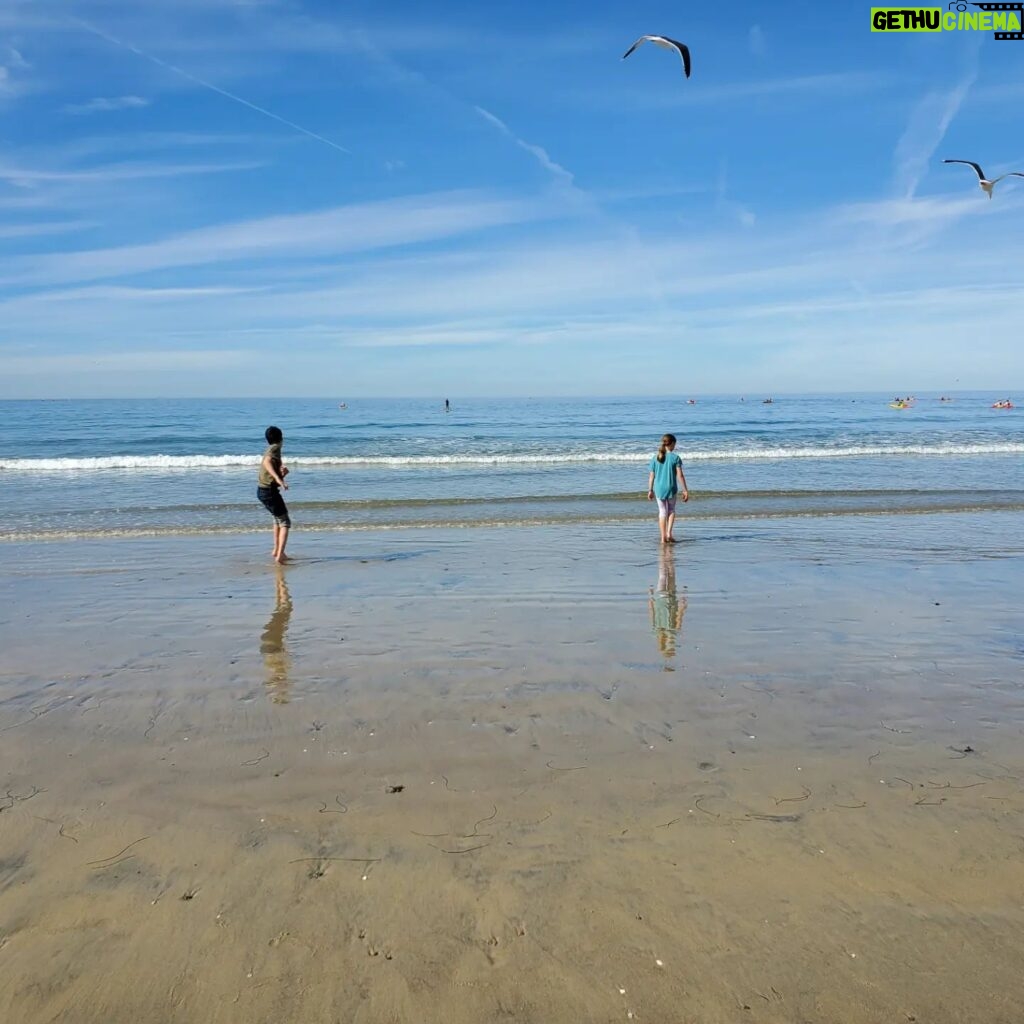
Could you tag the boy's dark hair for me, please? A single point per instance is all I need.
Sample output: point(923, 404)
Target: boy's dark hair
point(274, 435)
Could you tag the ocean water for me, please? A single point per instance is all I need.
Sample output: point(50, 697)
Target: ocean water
point(143, 468)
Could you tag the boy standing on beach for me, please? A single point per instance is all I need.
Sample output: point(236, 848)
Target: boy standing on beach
point(270, 481)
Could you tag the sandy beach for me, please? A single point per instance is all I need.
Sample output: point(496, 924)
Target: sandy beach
point(533, 774)
point(430, 294)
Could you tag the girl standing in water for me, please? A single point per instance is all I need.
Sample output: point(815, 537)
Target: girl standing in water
point(665, 482)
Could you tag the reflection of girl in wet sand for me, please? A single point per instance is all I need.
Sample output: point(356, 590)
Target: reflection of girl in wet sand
point(666, 607)
point(272, 646)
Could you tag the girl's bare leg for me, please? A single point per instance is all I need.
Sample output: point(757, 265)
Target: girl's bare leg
point(670, 523)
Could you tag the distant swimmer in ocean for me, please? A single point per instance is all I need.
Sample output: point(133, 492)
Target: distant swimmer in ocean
point(270, 483)
point(664, 484)
point(666, 607)
point(447, 407)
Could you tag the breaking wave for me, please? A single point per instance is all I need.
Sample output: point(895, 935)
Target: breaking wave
point(172, 463)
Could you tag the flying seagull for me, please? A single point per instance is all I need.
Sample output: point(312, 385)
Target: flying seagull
point(669, 44)
point(985, 184)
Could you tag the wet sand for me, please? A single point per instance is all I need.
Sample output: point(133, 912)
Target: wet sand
point(523, 775)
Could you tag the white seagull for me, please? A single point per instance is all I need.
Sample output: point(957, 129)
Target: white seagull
point(669, 44)
point(985, 184)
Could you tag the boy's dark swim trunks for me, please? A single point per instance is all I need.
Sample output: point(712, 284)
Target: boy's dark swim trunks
point(274, 504)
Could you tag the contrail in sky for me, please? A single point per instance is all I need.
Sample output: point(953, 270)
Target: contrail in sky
point(207, 85)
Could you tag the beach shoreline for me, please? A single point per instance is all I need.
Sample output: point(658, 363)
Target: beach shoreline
point(482, 775)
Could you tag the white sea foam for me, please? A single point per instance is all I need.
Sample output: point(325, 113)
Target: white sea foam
point(165, 463)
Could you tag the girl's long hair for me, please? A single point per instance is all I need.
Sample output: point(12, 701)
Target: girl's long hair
point(666, 442)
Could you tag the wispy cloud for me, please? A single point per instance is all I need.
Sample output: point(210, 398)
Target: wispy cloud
point(128, 144)
point(26, 201)
point(13, 66)
point(102, 104)
point(933, 211)
point(786, 266)
point(539, 153)
point(359, 227)
point(818, 87)
point(779, 309)
point(27, 177)
point(210, 86)
point(44, 228)
point(926, 128)
point(743, 215)
point(144, 363)
point(756, 41)
point(14, 59)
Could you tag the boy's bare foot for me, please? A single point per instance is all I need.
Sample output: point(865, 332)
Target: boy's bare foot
point(282, 559)
point(670, 540)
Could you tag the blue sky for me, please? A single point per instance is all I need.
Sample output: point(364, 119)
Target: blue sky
point(497, 204)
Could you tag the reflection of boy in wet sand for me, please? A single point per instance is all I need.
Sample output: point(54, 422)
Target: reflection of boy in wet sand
point(666, 607)
point(275, 654)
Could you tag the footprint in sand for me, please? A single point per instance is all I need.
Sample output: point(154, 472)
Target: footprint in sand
point(372, 948)
point(492, 943)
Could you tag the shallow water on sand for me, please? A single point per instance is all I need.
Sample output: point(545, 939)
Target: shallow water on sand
point(772, 774)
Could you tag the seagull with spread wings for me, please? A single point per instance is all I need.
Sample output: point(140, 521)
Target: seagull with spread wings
point(984, 183)
point(668, 44)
